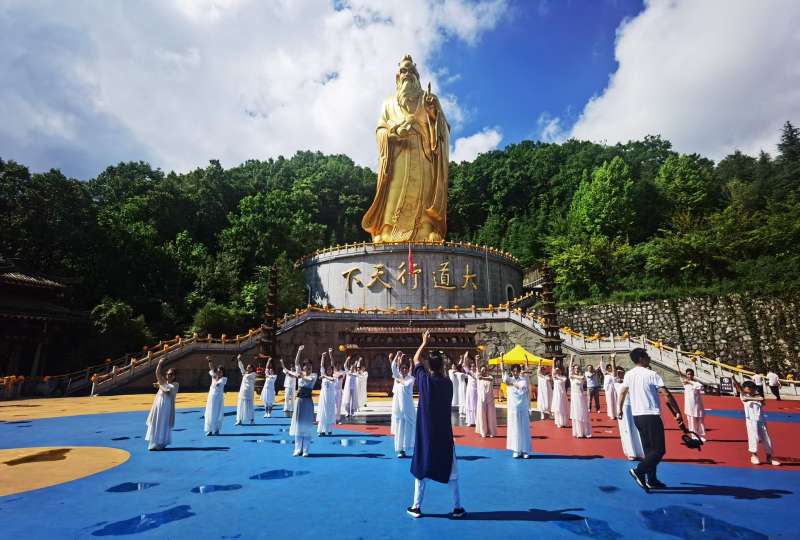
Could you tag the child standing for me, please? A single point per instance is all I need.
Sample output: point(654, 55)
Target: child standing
point(755, 422)
point(693, 404)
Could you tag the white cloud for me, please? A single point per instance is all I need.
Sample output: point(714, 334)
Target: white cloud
point(550, 129)
point(468, 148)
point(710, 76)
point(178, 83)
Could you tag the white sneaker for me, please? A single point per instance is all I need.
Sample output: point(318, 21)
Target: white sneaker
point(266, 415)
point(774, 462)
point(305, 454)
point(296, 453)
point(525, 456)
point(515, 455)
point(754, 460)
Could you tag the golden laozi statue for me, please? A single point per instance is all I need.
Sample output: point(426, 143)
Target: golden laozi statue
point(413, 144)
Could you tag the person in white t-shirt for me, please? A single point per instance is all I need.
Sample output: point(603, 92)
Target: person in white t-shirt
point(774, 383)
point(755, 422)
point(758, 380)
point(643, 385)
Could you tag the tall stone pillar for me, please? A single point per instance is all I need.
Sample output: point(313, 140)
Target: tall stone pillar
point(552, 339)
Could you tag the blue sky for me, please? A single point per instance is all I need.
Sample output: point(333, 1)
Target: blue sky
point(86, 84)
point(542, 59)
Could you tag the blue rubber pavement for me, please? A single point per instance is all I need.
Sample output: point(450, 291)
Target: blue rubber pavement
point(246, 484)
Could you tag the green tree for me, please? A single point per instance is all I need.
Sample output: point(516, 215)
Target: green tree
point(687, 182)
point(603, 205)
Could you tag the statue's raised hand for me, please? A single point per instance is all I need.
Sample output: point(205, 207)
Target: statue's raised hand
point(431, 102)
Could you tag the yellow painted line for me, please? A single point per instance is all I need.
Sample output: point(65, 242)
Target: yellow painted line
point(26, 469)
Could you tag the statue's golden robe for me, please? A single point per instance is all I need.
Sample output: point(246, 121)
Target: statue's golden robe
point(411, 195)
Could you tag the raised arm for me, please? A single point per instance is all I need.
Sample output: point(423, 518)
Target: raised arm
point(347, 364)
point(394, 364)
point(297, 358)
point(241, 365)
point(614, 364)
point(418, 359)
point(211, 367)
point(159, 375)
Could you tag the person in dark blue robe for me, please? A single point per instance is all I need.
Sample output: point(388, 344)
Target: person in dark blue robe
point(434, 449)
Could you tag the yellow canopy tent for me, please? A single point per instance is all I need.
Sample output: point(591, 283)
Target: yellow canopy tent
point(517, 356)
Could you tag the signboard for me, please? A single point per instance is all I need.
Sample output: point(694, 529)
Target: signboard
point(726, 385)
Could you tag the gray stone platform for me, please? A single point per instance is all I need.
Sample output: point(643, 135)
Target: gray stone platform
point(377, 276)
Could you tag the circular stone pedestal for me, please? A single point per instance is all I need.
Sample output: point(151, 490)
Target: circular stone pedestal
point(376, 276)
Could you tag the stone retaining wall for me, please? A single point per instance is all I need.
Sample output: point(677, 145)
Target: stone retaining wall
point(737, 329)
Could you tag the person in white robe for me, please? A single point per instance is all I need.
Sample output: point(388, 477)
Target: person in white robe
point(462, 391)
point(245, 408)
point(363, 377)
point(404, 414)
point(215, 404)
point(339, 374)
point(289, 392)
point(544, 390)
point(610, 389)
point(579, 402)
point(161, 419)
point(518, 432)
point(693, 406)
point(485, 411)
point(628, 434)
point(326, 408)
point(268, 392)
point(472, 393)
point(302, 425)
point(559, 405)
point(453, 374)
point(350, 392)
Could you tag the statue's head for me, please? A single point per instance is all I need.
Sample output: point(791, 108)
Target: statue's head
point(407, 79)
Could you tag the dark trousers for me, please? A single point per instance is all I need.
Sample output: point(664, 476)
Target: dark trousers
point(776, 391)
point(651, 431)
point(594, 395)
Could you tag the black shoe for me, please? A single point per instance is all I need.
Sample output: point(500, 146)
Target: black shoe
point(458, 513)
point(413, 512)
point(655, 483)
point(639, 479)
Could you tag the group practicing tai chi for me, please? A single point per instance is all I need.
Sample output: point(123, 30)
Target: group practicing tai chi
point(464, 391)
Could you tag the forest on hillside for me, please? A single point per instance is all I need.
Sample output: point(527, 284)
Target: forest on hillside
point(151, 254)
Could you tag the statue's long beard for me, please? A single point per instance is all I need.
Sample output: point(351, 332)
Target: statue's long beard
point(408, 91)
